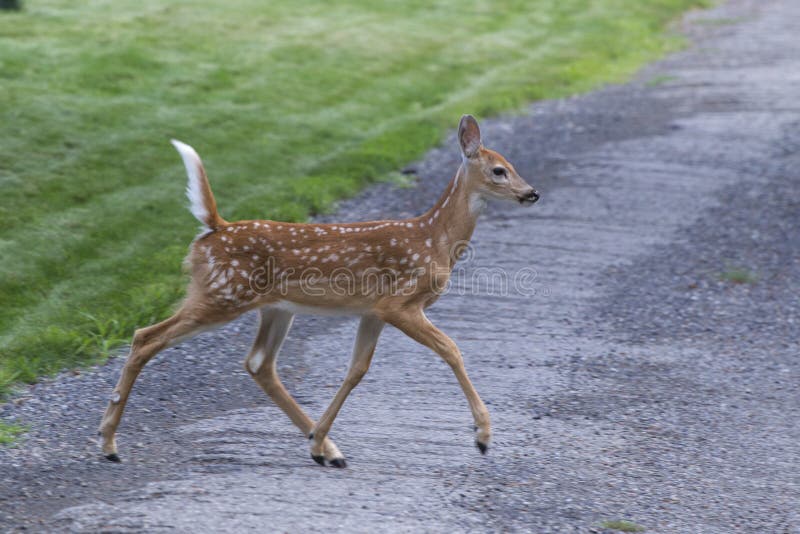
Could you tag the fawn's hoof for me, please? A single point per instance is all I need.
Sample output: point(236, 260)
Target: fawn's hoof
point(483, 447)
point(338, 462)
point(319, 459)
point(113, 457)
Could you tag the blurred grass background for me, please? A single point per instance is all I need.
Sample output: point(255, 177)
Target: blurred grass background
point(291, 104)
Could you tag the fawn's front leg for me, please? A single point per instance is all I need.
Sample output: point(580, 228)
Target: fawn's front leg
point(417, 326)
point(367, 338)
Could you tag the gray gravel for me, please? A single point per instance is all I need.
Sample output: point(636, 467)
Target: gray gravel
point(636, 383)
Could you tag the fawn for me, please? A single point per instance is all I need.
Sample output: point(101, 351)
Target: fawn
point(383, 271)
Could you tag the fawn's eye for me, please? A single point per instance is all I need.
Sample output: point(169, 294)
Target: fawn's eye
point(498, 171)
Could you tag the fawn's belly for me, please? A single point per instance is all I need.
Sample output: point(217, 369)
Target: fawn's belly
point(311, 309)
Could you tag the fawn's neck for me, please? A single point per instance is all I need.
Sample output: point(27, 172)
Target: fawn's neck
point(455, 213)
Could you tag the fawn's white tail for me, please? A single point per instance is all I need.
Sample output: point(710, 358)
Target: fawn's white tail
point(202, 203)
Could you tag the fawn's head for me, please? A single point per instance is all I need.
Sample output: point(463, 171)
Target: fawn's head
point(489, 172)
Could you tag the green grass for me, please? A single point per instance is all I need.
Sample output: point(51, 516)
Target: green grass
point(721, 21)
point(292, 105)
point(660, 80)
point(9, 433)
point(738, 276)
point(622, 526)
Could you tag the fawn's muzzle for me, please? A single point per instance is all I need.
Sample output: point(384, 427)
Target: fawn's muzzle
point(529, 198)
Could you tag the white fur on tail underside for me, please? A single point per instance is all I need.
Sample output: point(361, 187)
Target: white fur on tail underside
point(202, 203)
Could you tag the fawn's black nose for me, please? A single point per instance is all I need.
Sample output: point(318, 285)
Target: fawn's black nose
point(530, 197)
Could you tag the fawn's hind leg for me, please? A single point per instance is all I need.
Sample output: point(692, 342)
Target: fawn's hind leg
point(147, 342)
point(260, 363)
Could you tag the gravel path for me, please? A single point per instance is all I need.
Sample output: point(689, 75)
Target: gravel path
point(637, 382)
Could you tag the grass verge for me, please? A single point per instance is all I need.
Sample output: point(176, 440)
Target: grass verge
point(9, 433)
point(738, 276)
point(292, 104)
point(622, 526)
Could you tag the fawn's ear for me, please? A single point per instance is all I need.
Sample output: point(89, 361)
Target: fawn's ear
point(469, 136)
